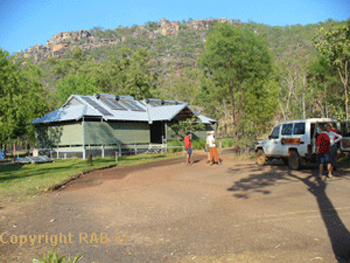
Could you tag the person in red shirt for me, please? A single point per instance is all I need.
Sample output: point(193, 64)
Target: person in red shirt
point(188, 145)
point(322, 152)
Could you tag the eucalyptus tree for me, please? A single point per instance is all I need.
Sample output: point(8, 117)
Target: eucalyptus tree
point(239, 63)
point(22, 98)
point(325, 93)
point(334, 44)
point(140, 80)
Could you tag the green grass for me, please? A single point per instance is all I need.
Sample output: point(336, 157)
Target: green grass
point(21, 182)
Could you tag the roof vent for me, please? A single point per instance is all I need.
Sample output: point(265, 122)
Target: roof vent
point(103, 95)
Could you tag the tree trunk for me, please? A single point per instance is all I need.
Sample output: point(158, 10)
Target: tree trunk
point(325, 99)
point(303, 96)
point(345, 81)
point(232, 103)
point(304, 109)
point(282, 110)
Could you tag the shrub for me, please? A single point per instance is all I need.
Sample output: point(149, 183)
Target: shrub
point(196, 145)
point(52, 257)
point(228, 142)
point(175, 143)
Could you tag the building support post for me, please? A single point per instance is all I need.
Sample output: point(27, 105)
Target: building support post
point(84, 151)
point(166, 136)
point(120, 150)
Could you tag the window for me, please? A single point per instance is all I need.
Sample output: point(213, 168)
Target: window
point(275, 134)
point(299, 128)
point(287, 129)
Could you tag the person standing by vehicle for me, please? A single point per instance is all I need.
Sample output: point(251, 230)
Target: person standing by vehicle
point(213, 152)
point(322, 152)
point(188, 145)
point(335, 137)
point(207, 150)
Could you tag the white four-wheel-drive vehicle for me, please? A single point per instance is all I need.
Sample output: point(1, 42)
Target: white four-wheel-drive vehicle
point(294, 142)
point(345, 131)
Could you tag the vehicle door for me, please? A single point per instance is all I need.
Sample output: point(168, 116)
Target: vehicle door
point(272, 146)
point(286, 138)
point(345, 142)
point(301, 139)
point(293, 135)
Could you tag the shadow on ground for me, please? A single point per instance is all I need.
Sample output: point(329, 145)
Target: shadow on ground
point(257, 182)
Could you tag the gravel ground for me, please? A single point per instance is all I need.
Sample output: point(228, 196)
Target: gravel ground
point(172, 212)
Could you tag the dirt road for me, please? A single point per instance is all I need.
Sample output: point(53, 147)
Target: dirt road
point(173, 212)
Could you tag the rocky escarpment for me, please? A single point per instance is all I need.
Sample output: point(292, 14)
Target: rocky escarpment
point(64, 42)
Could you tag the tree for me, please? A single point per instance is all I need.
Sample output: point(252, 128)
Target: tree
point(127, 74)
point(63, 67)
point(190, 124)
point(21, 98)
point(325, 94)
point(152, 26)
point(239, 63)
point(183, 85)
point(140, 80)
point(334, 44)
point(35, 97)
point(74, 84)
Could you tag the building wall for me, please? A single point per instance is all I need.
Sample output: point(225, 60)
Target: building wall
point(96, 133)
point(59, 134)
point(116, 133)
point(103, 133)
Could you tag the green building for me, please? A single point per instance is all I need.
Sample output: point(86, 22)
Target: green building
point(104, 124)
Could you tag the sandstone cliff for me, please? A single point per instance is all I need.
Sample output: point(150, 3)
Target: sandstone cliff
point(64, 42)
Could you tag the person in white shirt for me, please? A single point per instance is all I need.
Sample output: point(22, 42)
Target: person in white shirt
point(213, 152)
point(334, 137)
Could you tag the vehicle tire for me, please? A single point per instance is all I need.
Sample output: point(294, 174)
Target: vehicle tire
point(294, 160)
point(261, 159)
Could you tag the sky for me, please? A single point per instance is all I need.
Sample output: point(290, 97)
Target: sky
point(25, 23)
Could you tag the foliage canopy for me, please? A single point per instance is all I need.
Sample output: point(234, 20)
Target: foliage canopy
point(239, 63)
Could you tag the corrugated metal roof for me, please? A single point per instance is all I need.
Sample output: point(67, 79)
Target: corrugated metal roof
point(67, 114)
point(165, 112)
point(206, 120)
point(114, 108)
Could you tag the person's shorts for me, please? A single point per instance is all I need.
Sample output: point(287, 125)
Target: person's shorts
point(189, 151)
point(322, 158)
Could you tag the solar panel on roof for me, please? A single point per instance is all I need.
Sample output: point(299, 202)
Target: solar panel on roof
point(112, 103)
point(97, 106)
point(131, 105)
point(169, 102)
point(137, 107)
point(154, 102)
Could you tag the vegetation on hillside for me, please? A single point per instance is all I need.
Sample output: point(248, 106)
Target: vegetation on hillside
point(244, 75)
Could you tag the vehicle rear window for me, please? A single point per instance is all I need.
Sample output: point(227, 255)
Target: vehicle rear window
point(287, 129)
point(299, 128)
